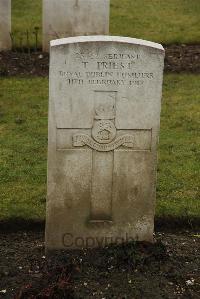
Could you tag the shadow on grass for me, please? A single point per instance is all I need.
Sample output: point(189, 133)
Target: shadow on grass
point(167, 223)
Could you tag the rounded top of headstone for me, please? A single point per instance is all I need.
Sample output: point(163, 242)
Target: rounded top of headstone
point(106, 38)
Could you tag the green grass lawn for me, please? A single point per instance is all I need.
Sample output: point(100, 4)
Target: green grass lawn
point(23, 148)
point(171, 21)
point(23, 151)
point(178, 188)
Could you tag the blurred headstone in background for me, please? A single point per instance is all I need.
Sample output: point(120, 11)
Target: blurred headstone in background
point(65, 18)
point(5, 24)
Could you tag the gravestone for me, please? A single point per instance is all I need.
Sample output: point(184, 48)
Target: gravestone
point(104, 115)
point(5, 24)
point(66, 18)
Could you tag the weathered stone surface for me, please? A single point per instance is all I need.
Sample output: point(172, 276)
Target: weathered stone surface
point(5, 24)
point(104, 115)
point(66, 18)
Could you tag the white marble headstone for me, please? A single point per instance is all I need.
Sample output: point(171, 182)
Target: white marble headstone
point(5, 24)
point(66, 18)
point(104, 116)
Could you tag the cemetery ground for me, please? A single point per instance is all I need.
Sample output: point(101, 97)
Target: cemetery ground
point(167, 269)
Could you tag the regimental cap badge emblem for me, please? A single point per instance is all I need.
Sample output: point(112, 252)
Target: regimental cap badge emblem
point(104, 131)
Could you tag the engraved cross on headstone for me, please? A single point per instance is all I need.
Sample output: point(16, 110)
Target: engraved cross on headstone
point(104, 139)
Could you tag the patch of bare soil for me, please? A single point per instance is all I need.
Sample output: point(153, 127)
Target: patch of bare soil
point(182, 58)
point(24, 64)
point(170, 268)
point(179, 58)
